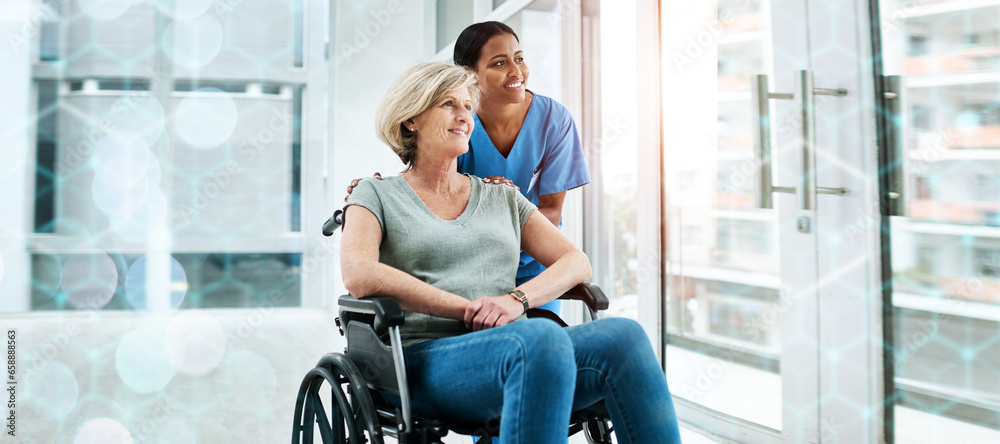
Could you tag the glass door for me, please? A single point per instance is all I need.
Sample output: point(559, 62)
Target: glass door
point(771, 311)
point(943, 59)
point(722, 269)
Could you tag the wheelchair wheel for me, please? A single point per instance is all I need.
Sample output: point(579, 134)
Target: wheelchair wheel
point(351, 419)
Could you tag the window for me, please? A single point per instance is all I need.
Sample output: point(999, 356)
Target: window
point(927, 259)
point(209, 170)
point(46, 137)
point(123, 85)
point(918, 45)
point(922, 186)
point(689, 181)
point(922, 117)
point(987, 188)
point(691, 235)
point(987, 262)
point(209, 86)
point(452, 17)
point(50, 33)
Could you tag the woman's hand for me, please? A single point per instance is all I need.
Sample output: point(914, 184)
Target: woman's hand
point(354, 183)
point(500, 180)
point(492, 311)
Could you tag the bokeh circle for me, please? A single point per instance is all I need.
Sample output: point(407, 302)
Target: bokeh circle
point(104, 9)
point(89, 280)
point(138, 284)
point(102, 431)
point(206, 118)
point(193, 43)
point(141, 361)
point(185, 9)
point(54, 387)
point(195, 342)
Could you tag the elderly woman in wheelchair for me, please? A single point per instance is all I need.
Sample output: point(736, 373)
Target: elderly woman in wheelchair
point(445, 247)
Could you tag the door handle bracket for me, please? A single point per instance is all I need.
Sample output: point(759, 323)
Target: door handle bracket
point(803, 95)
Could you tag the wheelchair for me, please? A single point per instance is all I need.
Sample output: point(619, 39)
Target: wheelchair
point(372, 370)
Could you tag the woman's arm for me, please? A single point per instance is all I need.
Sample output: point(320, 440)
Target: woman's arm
point(364, 275)
point(567, 266)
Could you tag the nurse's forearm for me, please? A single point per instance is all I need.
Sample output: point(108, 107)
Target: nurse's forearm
point(550, 205)
point(552, 214)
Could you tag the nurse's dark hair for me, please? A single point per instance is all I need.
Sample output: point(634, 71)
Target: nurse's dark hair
point(469, 45)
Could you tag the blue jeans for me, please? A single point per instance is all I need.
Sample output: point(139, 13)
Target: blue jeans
point(533, 373)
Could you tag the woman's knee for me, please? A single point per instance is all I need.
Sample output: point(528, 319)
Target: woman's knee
point(619, 331)
point(542, 339)
point(624, 329)
point(623, 338)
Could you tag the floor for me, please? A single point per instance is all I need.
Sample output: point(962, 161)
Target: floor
point(214, 376)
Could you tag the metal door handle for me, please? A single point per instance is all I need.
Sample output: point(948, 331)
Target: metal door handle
point(803, 97)
point(895, 160)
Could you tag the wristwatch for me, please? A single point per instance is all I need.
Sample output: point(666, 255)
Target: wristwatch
point(519, 295)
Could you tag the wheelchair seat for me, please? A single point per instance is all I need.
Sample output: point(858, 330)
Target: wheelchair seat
point(372, 370)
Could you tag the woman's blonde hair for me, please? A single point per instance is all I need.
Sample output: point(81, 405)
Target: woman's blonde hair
point(418, 89)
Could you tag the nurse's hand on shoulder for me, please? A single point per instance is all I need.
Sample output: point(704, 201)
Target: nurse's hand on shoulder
point(500, 180)
point(492, 311)
point(354, 183)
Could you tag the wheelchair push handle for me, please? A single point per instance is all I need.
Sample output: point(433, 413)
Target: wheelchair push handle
point(334, 222)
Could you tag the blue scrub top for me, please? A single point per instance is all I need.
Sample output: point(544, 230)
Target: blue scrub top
point(547, 158)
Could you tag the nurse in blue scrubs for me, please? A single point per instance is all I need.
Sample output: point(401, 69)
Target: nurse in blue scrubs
point(519, 135)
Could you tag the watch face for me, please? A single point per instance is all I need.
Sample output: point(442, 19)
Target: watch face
point(518, 293)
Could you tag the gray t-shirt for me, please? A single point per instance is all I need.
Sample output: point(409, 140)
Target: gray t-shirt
point(472, 256)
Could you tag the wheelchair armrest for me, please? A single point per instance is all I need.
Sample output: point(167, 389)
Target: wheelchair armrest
point(385, 308)
point(590, 294)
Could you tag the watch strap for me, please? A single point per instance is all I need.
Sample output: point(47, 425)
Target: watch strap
point(519, 295)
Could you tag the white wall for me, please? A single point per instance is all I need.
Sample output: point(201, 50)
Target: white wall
point(372, 43)
point(541, 40)
point(367, 57)
point(15, 149)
